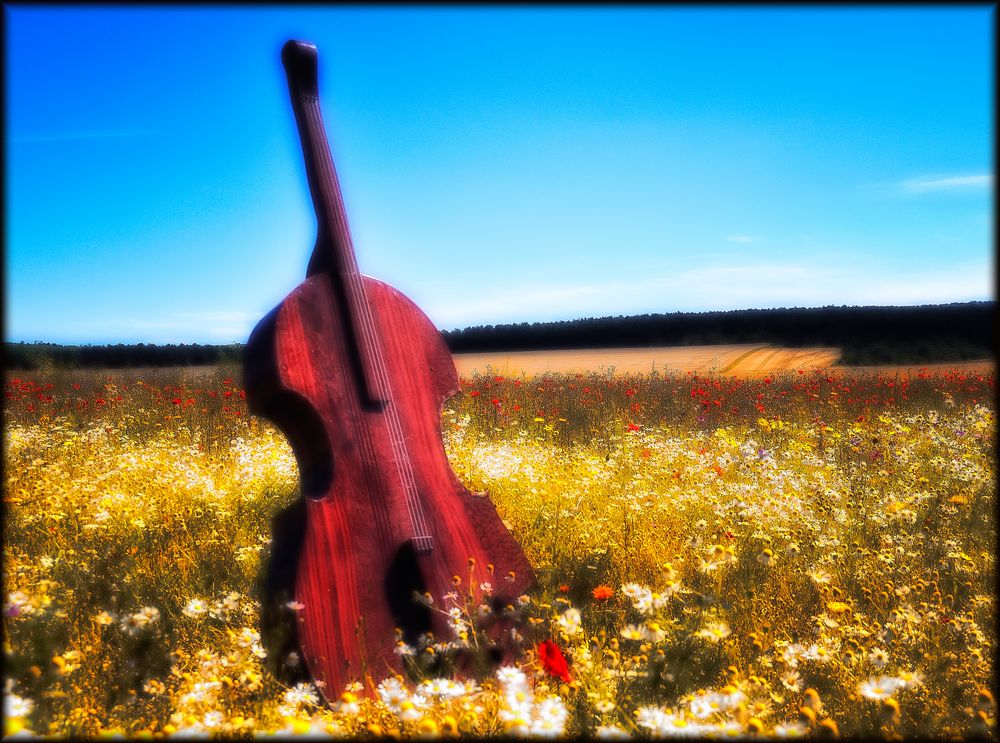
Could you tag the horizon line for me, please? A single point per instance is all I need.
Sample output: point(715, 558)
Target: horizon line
point(536, 322)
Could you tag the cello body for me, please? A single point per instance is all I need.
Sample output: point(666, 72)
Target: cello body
point(355, 375)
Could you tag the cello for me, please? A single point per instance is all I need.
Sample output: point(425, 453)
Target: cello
point(355, 376)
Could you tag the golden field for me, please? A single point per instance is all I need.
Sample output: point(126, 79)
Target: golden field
point(793, 553)
point(740, 359)
point(737, 359)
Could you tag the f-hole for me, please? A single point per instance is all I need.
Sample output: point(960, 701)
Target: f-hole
point(302, 426)
point(304, 429)
point(403, 579)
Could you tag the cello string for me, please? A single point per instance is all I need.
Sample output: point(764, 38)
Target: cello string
point(397, 440)
point(369, 338)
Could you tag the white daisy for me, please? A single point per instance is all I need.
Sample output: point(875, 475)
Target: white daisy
point(882, 687)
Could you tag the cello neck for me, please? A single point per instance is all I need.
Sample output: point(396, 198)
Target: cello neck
point(334, 255)
point(334, 251)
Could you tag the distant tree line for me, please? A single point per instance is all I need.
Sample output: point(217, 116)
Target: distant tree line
point(41, 355)
point(866, 335)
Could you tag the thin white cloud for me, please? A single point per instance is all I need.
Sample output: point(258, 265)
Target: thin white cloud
point(947, 183)
point(812, 282)
point(154, 324)
point(210, 316)
point(924, 184)
point(750, 275)
point(723, 287)
point(517, 304)
point(216, 323)
point(963, 283)
point(742, 239)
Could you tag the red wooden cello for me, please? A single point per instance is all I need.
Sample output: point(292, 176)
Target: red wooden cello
point(355, 375)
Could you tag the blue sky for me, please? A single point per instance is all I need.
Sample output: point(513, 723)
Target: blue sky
point(498, 164)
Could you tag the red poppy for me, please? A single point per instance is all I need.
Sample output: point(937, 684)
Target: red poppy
point(553, 661)
point(603, 593)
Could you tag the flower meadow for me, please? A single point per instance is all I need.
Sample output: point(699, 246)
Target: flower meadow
point(805, 553)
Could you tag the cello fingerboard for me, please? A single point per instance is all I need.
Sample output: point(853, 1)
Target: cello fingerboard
point(334, 251)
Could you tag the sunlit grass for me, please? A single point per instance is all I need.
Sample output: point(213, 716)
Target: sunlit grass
point(798, 554)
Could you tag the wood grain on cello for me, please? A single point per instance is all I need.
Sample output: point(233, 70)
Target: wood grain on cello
point(355, 376)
